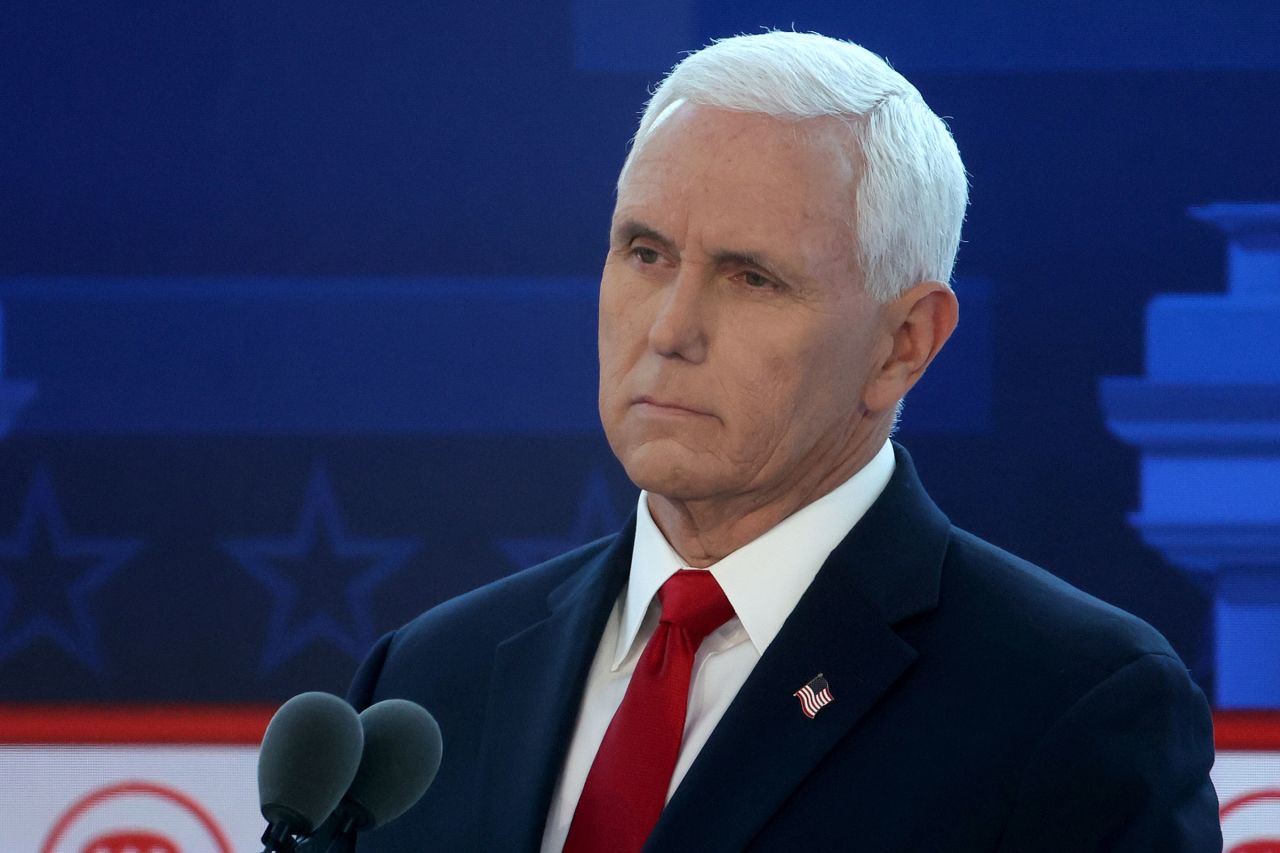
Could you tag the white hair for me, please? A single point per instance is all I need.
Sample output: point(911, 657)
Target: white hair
point(911, 199)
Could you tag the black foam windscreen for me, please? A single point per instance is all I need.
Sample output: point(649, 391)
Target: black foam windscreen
point(402, 752)
point(308, 758)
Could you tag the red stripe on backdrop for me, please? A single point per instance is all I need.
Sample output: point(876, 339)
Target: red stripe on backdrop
point(244, 724)
point(125, 724)
point(1250, 730)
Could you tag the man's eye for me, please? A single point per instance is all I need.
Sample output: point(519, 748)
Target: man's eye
point(645, 255)
point(755, 279)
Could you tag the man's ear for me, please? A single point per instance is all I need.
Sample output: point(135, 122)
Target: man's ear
point(917, 325)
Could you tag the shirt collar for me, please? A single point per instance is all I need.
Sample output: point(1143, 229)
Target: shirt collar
point(765, 578)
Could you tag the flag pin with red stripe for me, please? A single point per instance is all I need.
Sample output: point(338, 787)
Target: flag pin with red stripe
point(814, 696)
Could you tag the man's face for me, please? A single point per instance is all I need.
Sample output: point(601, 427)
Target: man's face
point(735, 334)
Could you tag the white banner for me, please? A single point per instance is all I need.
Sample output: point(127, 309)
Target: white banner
point(129, 799)
point(1248, 786)
point(203, 799)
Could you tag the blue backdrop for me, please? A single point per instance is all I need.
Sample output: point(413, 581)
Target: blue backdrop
point(298, 303)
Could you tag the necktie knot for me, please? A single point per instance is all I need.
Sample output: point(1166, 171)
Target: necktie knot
point(693, 601)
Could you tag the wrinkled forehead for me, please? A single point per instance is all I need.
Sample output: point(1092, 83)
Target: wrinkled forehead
point(746, 176)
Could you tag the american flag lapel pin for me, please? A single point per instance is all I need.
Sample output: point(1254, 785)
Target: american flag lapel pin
point(814, 696)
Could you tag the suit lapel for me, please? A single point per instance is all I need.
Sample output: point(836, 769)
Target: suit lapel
point(887, 569)
point(534, 693)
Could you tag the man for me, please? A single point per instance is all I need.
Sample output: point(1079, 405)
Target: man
point(789, 645)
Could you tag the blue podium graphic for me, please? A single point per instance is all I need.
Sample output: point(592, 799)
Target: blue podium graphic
point(1206, 419)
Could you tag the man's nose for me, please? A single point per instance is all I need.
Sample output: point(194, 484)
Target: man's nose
point(679, 329)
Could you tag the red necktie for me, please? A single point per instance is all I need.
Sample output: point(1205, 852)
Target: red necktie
point(627, 785)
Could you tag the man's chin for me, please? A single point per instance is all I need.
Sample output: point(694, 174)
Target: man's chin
point(672, 477)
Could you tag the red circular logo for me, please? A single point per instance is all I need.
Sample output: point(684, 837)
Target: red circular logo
point(1253, 817)
point(108, 821)
point(130, 841)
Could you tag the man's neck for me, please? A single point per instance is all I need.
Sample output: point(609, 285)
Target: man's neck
point(703, 532)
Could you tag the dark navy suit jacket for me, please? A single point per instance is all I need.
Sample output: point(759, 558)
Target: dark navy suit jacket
point(980, 705)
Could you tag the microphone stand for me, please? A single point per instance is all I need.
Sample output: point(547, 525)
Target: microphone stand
point(279, 838)
point(333, 831)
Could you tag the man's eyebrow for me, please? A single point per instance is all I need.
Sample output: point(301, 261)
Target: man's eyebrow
point(743, 258)
point(630, 229)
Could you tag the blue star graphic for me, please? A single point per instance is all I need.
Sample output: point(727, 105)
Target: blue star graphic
point(321, 580)
point(597, 516)
point(48, 576)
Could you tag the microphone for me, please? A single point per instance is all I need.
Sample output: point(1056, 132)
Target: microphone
point(402, 752)
point(309, 755)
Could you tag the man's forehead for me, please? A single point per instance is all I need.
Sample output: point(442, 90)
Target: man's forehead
point(683, 122)
point(693, 147)
point(746, 183)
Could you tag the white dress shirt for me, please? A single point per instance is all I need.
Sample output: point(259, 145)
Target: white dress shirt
point(763, 580)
